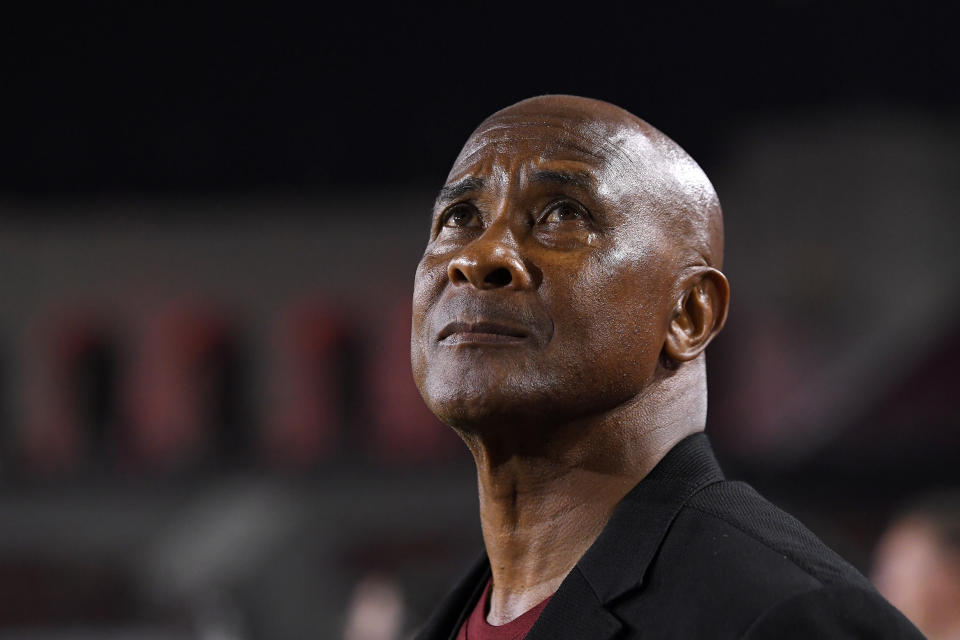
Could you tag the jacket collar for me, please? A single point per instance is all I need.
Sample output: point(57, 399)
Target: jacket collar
point(615, 564)
point(618, 560)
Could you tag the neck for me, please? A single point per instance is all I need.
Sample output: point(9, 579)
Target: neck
point(540, 511)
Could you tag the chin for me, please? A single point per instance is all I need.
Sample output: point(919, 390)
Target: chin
point(468, 409)
point(508, 412)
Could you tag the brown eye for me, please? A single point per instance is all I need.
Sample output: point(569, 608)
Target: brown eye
point(562, 212)
point(461, 216)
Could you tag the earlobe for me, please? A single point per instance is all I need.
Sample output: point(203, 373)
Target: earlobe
point(699, 315)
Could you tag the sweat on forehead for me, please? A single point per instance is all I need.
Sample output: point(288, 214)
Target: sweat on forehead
point(663, 172)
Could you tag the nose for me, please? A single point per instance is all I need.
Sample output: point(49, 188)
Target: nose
point(492, 261)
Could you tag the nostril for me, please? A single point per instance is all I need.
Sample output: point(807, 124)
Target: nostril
point(457, 276)
point(498, 278)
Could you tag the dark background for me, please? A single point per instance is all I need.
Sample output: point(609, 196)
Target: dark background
point(102, 99)
point(210, 220)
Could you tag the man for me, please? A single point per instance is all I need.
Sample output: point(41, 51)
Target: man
point(561, 310)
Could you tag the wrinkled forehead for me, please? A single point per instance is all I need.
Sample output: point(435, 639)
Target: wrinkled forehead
point(615, 151)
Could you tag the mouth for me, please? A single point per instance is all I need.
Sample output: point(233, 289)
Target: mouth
point(480, 333)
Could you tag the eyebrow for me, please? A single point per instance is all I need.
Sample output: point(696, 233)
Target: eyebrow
point(460, 188)
point(580, 179)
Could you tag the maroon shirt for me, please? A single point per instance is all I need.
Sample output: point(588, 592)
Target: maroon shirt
point(476, 626)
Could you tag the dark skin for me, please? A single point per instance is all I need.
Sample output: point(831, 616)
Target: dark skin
point(561, 309)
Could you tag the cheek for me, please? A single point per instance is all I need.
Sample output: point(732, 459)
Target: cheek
point(428, 284)
point(623, 311)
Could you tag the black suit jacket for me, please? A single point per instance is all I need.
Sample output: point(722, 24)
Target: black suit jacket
point(688, 554)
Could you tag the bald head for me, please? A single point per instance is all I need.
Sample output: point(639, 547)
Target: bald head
point(653, 171)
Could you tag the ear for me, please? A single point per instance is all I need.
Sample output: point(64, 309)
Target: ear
point(699, 315)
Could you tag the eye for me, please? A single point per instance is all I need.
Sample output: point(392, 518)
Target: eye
point(461, 216)
point(563, 212)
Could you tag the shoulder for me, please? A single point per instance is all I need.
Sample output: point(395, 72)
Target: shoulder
point(747, 521)
point(842, 611)
point(732, 563)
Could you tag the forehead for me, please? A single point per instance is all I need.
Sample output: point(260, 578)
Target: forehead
point(512, 143)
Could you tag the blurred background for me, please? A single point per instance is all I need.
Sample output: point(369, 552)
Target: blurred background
point(209, 220)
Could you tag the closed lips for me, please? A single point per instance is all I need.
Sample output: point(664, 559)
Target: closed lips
point(481, 328)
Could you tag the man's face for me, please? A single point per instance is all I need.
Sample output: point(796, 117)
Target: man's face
point(547, 286)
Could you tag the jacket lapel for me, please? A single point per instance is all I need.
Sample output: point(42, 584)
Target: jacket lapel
point(575, 613)
point(617, 562)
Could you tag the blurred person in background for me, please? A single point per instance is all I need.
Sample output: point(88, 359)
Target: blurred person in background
point(917, 564)
point(562, 307)
point(375, 611)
